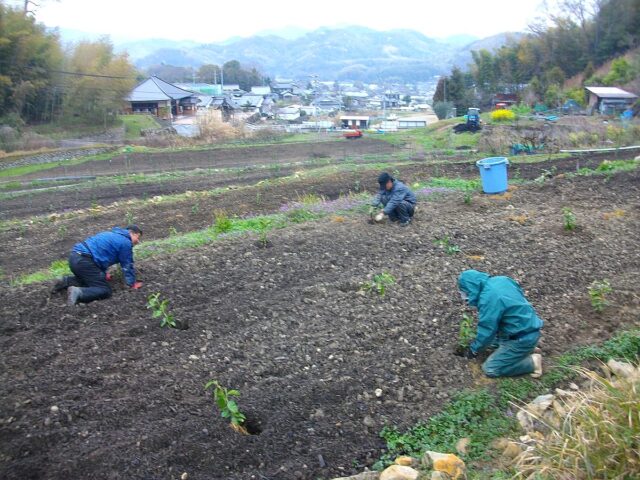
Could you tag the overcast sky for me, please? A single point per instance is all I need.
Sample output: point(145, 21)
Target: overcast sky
point(217, 20)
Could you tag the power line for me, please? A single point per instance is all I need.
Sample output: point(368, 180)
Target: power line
point(78, 74)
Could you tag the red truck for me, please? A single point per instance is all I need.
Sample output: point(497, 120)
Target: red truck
point(352, 134)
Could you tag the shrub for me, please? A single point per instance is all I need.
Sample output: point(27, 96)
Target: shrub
point(520, 109)
point(598, 439)
point(222, 222)
point(503, 116)
point(212, 129)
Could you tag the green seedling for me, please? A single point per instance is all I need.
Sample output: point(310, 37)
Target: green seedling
point(467, 332)
point(62, 231)
point(128, 218)
point(159, 309)
point(445, 243)
point(264, 224)
point(379, 283)
point(228, 408)
point(467, 198)
point(223, 223)
point(598, 290)
point(173, 231)
point(195, 208)
point(569, 219)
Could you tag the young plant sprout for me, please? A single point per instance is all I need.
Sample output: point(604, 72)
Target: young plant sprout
point(160, 310)
point(598, 290)
point(379, 283)
point(467, 333)
point(569, 219)
point(228, 407)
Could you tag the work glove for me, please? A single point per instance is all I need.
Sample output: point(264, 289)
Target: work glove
point(136, 285)
point(108, 277)
point(465, 352)
point(379, 217)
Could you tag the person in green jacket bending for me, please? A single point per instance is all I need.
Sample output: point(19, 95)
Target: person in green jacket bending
point(505, 318)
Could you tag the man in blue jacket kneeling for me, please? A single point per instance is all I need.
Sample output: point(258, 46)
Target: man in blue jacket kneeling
point(89, 261)
point(505, 319)
point(398, 201)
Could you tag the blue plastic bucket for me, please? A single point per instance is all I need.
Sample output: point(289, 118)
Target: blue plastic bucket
point(493, 173)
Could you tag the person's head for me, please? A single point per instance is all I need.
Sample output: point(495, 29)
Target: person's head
point(386, 181)
point(135, 233)
point(470, 284)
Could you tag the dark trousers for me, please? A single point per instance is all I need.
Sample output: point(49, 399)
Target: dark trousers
point(403, 212)
point(86, 275)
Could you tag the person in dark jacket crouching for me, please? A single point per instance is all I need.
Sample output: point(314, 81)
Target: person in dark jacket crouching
point(89, 261)
point(399, 203)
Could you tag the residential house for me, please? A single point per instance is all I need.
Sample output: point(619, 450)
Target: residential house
point(391, 100)
point(227, 107)
point(416, 121)
point(160, 98)
point(250, 102)
point(283, 87)
point(326, 104)
point(609, 100)
point(261, 90)
point(504, 100)
point(205, 88)
point(232, 89)
point(290, 113)
point(354, 121)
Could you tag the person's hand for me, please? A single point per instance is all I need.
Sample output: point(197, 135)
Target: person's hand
point(136, 285)
point(465, 352)
point(379, 217)
point(108, 277)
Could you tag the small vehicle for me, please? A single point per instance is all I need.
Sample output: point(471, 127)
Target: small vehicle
point(472, 122)
point(352, 134)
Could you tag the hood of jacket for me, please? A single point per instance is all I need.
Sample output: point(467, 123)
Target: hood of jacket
point(472, 282)
point(122, 231)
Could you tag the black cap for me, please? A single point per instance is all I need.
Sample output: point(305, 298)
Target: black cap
point(134, 229)
point(384, 178)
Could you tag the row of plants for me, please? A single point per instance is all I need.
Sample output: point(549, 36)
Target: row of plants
point(309, 209)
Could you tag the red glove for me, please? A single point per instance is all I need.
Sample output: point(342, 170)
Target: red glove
point(136, 285)
point(108, 276)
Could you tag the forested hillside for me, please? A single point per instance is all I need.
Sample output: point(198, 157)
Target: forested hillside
point(575, 39)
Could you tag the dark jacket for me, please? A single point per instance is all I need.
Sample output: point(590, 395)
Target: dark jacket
point(109, 248)
point(502, 308)
point(390, 199)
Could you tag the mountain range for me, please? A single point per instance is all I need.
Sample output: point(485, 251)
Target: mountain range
point(344, 53)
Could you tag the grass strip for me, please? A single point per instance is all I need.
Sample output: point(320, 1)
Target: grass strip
point(483, 415)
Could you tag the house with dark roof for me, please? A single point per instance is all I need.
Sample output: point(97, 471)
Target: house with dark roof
point(158, 97)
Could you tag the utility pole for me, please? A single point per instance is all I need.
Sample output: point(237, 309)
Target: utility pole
point(222, 77)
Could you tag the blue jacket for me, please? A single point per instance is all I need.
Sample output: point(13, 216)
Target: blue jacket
point(109, 248)
point(390, 199)
point(503, 310)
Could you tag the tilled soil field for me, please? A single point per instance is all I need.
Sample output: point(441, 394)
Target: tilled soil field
point(29, 246)
point(101, 392)
point(222, 157)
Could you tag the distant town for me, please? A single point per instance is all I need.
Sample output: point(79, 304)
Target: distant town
point(287, 105)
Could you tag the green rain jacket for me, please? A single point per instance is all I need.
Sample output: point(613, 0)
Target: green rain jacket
point(503, 311)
